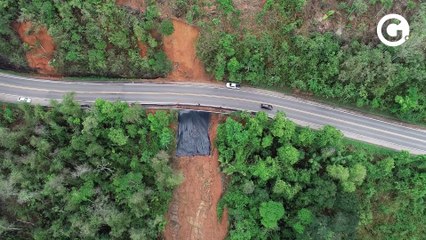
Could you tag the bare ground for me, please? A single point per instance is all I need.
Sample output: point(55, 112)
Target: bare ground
point(143, 49)
point(41, 47)
point(180, 49)
point(249, 8)
point(137, 5)
point(192, 213)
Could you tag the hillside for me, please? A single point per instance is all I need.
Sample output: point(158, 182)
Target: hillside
point(109, 172)
point(327, 49)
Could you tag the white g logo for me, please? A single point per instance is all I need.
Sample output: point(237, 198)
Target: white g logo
point(392, 30)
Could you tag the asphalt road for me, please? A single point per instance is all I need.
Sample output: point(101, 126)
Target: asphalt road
point(306, 113)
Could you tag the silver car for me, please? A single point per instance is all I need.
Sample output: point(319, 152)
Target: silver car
point(233, 85)
point(24, 99)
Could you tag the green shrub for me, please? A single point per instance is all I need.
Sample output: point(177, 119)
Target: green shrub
point(166, 27)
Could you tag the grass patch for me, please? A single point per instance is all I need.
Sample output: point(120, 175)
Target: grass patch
point(369, 147)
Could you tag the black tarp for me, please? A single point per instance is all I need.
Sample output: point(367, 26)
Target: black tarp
point(193, 134)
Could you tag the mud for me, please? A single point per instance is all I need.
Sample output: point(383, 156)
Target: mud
point(192, 214)
point(41, 46)
point(143, 49)
point(180, 48)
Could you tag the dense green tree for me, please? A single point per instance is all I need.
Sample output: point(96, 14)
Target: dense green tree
point(66, 173)
point(95, 38)
point(11, 53)
point(291, 52)
point(271, 212)
point(329, 189)
point(166, 27)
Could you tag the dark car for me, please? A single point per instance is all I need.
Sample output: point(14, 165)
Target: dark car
point(266, 106)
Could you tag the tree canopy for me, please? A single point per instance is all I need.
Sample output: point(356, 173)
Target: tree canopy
point(68, 173)
point(288, 182)
point(92, 38)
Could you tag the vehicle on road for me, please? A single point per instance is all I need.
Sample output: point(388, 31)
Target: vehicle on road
point(266, 106)
point(24, 99)
point(231, 85)
point(85, 106)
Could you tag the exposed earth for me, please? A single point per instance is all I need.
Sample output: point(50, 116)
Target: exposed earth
point(249, 9)
point(192, 213)
point(180, 49)
point(137, 5)
point(143, 49)
point(41, 47)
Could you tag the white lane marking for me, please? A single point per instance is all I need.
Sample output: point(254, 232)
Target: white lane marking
point(33, 98)
point(382, 143)
point(336, 109)
point(352, 123)
point(299, 122)
point(220, 97)
point(47, 80)
point(128, 82)
point(211, 86)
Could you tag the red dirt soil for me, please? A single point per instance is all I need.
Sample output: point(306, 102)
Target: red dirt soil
point(143, 49)
point(138, 5)
point(41, 44)
point(192, 213)
point(180, 49)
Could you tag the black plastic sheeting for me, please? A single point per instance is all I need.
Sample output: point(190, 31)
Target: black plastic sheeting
point(193, 135)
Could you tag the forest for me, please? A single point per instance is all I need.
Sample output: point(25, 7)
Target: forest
point(289, 182)
point(92, 38)
point(105, 173)
point(334, 55)
point(100, 173)
point(282, 48)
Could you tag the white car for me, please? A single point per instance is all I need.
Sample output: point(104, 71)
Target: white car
point(233, 85)
point(24, 99)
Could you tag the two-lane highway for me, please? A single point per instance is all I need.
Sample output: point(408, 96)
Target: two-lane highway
point(306, 113)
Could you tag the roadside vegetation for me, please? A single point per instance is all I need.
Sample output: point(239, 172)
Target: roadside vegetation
point(287, 182)
point(104, 173)
point(324, 48)
point(328, 50)
point(101, 173)
point(92, 38)
point(12, 54)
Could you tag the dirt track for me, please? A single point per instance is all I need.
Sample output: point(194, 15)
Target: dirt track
point(192, 213)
